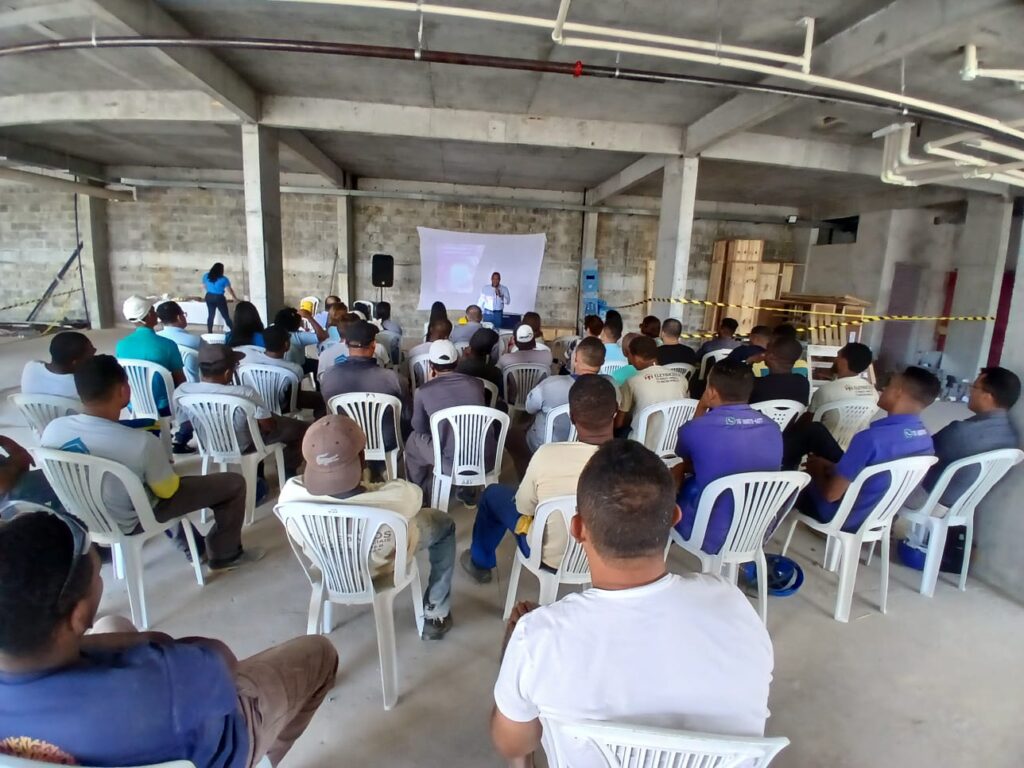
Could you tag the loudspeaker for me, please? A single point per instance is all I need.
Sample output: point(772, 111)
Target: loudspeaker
point(383, 270)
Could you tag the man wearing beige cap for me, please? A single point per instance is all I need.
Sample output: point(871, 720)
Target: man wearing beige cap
point(444, 388)
point(333, 448)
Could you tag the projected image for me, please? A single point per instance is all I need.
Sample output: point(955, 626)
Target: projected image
point(456, 267)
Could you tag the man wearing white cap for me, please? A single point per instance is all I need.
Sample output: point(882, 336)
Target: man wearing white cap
point(145, 344)
point(444, 388)
point(526, 352)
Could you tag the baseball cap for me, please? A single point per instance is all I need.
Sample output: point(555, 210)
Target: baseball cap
point(524, 333)
point(135, 308)
point(360, 334)
point(443, 352)
point(218, 356)
point(331, 449)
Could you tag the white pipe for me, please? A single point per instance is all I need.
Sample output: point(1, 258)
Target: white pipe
point(66, 185)
point(808, 22)
point(992, 146)
point(563, 12)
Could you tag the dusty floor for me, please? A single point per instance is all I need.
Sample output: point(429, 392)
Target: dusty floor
point(933, 683)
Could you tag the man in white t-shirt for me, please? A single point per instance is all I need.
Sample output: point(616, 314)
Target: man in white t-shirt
point(650, 385)
point(642, 646)
point(67, 350)
point(335, 463)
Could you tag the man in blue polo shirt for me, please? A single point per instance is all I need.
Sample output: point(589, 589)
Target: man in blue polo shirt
point(725, 437)
point(899, 435)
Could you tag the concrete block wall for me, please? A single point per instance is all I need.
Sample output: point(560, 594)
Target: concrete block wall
point(309, 235)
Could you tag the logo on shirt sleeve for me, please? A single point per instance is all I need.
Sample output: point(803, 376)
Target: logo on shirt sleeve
point(35, 750)
point(75, 446)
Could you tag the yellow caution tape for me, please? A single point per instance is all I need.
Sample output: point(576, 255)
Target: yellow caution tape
point(33, 301)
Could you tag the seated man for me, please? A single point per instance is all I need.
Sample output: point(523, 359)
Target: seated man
point(650, 326)
point(725, 338)
point(290, 320)
point(322, 315)
point(671, 350)
point(611, 334)
point(275, 354)
point(897, 436)
point(532, 319)
point(444, 388)
point(174, 321)
point(335, 462)
point(383, 312)
point(475, 360)
point(757, 344)
point(554, 471)
point(526, 352)
point(725, 437)
point(67, 350)
point(621, 375)
point(463, 332)
point(782, 331)
point(335, 351)
point(592, 327)
point(781, 383)
point(643, 645)
point(217, 365)
point(20, 483)
point(439, 329)
point(112, 696)
point(652, 384)
point(103, 388)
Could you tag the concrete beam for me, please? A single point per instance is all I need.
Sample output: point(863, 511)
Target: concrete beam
point(469, 125)
point(146, 18)
point(95, 256)
point(86, 106)
point(265, 261)
point(627, 178)
point(15, 153)
point(675, 228)
point(895, 31)
point(41, 14)
point(312, 156)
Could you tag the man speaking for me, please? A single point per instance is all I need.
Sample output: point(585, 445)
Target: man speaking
point(493, 299)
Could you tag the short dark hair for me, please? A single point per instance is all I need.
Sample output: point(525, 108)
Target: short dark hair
point(474, 314)
point(593, 325)
point(67, 347)
point(383, 310)
point(672, 328)
point(592, 401)
point(444, 367)
point(922, 384)
point(730, 323)
point(644, 347)
point(627, 500)
point(760, 330)
point(785, 331)
point(532, 319)
point(276, 339)
point(97, 377)
point(440, 325)
point(613, 324)
point(786, 349)
point(482, 342)
point(858, 356)
point(732, 379)
point(168, 311)
point(1002, 384)
point(591, 351)
point(288, 318)
point(36, 550)
point(650, 326)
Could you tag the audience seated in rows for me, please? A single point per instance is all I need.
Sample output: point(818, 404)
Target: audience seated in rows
point(247, 328)
point(553, 471)
point(383, 311)
point(323, 314)
point(671, 351)
point(67, 350)
point(174, 322)
point(756, 346)
point(475, 360)
point(290, 320)
point(781, 383)
point(275, 354)
point(463, 332)
point(725, 437)
point(650, 326)
point(335, 462)
point(104, 391)
point(439, 328)
point(621, 375)
point(79, 690)
point(611, 333)
point(334, 353)
point(642, 645)
point(592, 327)
point(781, 331)
point(526, 352)
point(725, 338)
point(19, 482)
point(652, 384)
point(532, 319)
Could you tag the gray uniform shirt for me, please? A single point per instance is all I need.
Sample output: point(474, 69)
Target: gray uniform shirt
point(362, 374)
point(978, 434)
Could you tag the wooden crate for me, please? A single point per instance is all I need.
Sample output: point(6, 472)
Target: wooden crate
point(742, 286)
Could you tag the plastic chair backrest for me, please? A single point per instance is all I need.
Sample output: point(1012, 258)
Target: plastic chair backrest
point(461, 347)
point(78, 481)
point(519, 379)
point(214, 338)
point(662, 437)
point(992, 465)
point(561, 412)
point(609, 368)
point(335, 541)
point(189, 357)
point(853, 415)
point(369, 410)
point(490, 393)
point(759, 499)
point(638, 746)
point(469, 427)
point(710, 359)
point(40, 410)
point(574, 567)
point(419, 367)
point(782, 412)
point(271, 381)
point(141, 375)
point(9, 761)
point(684, 368)
point(905, 475)
point(560, 347)
point(213, 417)
point(314, 300)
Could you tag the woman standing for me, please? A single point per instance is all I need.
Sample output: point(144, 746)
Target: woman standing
point(216, 284)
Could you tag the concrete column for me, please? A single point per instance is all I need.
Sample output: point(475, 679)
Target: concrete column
point(588, 254)
point(980, 262)
point(262, 181)
point(95, 256)
point(675, 226)
point(345, 280)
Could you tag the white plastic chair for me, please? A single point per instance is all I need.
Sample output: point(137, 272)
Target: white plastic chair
point(189, 357)
point(461, 347)
point(333, 544)
point(782, 412)
point(392, 342)
point(78, 481)
point(520, 379)
point(853, 415)
point(214, 338)
point(468, 428)
point(213, 417)
point(9, 761)
point(639, 746)
point(271, 381)
point(490, 393)
point(504, 340)
point(561, 412)
point(991, 466)
point(609, 368)
point(574, 567)
point(141, 376)
point(760, 501)
point(660, 434)
point(684, 368)
point(710, 359)
point(369, 410)
point(904, 475)
point(419, 368)
point(40, 410)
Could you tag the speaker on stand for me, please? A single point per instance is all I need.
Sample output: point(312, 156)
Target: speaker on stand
point(383, 272)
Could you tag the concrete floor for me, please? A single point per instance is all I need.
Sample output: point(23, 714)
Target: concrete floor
point(932, 683)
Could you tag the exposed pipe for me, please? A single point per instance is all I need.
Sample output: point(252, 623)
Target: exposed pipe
point(577, 69)
point(65, 185)
point(563, 13)
point(897, 162)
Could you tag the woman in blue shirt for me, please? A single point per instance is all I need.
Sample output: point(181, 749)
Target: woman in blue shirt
point(216, 284)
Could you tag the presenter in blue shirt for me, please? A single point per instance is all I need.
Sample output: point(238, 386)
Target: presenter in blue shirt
point(493, 299)
point(216, 284)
